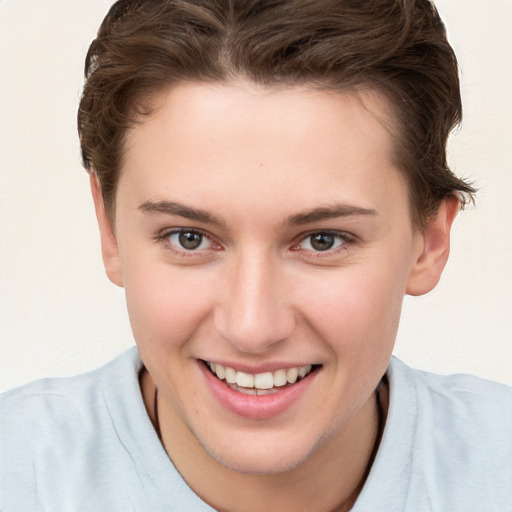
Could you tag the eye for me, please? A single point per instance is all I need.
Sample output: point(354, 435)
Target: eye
point(322, 241)
point(189, 240)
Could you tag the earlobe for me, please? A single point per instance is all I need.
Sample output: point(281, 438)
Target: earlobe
point(435, 248)
point(109, 247)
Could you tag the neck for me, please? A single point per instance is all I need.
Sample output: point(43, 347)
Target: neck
point(330, 479)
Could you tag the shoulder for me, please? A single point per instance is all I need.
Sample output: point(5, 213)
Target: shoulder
point(457, 400)
point(64, 411)
point(456, 435)
point(51, 430)
point(86, 443)
point(447, 445)
point(55, 399)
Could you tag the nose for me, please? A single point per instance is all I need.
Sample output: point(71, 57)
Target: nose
point(255, 312)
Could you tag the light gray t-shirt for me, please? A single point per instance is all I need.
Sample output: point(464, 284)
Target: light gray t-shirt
point(85, 443)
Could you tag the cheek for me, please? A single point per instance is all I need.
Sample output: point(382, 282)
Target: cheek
point(165, 305)
point(357, 310)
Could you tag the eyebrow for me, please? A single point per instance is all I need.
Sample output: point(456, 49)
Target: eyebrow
point(180, 210)
point(330, 212)
point(197, 214)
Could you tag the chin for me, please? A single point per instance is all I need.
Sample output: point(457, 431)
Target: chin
point(264, 458)
point(262, 464)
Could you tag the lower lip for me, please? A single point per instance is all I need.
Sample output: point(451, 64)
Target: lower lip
point(256, 407)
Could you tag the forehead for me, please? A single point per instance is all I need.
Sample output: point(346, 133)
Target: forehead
point(197, 106)
point(245, 141)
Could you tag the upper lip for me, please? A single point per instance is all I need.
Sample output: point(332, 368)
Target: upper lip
point(262, 368)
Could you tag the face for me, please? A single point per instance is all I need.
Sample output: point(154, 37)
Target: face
point(263, 234)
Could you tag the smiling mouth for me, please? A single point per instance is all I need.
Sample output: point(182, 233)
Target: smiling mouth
point(260, 384)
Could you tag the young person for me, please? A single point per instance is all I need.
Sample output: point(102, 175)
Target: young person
point(269, 179)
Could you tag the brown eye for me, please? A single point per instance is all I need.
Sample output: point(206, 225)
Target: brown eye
point(190, 240)
point(323, 241)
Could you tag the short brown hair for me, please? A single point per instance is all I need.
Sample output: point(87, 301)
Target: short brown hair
point(398, 47)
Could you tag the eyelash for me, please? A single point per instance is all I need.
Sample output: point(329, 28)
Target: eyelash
point(343, 237)
point(164, 238)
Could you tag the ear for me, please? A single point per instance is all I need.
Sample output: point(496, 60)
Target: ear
point(434, 249)
point(109, 247)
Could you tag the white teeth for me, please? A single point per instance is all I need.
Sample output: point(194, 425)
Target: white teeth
point(264, 380)
point(280, 378)
point(292, 374)
point(230, 375)
point(247, 391)
point(304, 370)
point(220, 371)
point(245, 382)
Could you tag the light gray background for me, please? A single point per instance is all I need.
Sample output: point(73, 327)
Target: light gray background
point(59, 315)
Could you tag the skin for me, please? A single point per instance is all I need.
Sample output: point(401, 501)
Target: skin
point(256, 293)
